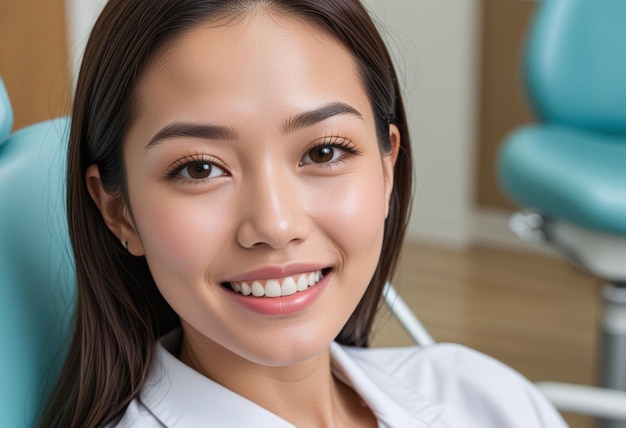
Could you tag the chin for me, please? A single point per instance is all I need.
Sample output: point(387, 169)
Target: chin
point(288, 352)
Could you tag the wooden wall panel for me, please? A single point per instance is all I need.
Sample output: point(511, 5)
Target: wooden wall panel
point(33, 59)
point(503, 102)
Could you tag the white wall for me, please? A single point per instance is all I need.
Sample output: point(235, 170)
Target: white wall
point(436, 47)
point(81, 15)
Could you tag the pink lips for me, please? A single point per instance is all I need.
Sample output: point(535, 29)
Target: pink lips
point(284, 305)
point(276, 272)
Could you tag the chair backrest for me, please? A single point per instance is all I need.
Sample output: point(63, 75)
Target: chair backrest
point(37, 282)
point(576, 63)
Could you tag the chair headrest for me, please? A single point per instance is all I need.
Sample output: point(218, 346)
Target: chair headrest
point(575, 65)
point(6, 113)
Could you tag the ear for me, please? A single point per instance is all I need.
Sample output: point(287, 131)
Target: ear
point(389, 163)
point(115, 212)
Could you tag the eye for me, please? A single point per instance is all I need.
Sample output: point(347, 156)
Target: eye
point(321, 154)
point(195, 168)
point(329, 151)
point(199, 171)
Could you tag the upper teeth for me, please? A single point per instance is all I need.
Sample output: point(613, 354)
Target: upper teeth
point(278, 287)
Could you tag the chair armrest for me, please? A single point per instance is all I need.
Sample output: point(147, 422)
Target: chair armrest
point(586, 400)
point(405, 316)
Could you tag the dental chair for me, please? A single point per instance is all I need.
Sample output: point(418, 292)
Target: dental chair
point(568, 170)
point(36, 272)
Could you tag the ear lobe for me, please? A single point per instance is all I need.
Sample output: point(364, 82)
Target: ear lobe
point(389, 163)
point(114, 212)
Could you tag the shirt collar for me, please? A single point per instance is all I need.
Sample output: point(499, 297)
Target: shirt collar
point(178, 396)
point(394, 403)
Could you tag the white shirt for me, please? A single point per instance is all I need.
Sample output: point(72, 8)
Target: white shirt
point(440, 386)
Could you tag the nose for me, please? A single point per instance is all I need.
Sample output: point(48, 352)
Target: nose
point(272, 211)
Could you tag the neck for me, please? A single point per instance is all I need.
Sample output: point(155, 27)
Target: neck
point(305, 394)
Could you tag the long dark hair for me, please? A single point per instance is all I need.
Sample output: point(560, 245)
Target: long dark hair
point(120, 313)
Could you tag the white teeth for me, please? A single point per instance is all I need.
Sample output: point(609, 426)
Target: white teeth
point(245, 289)
point(303, 282)
point(272, 288)
point(257, 289)
point(278, 287)
point(288, 288)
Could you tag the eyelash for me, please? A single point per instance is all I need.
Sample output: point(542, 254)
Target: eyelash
point(333, 141)
point(174, 171)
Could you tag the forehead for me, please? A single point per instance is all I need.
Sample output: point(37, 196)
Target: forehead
point(261, 62)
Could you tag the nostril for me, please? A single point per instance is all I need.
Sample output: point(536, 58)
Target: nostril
point(260, 232)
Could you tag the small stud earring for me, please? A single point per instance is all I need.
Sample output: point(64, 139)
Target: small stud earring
point(126, 244)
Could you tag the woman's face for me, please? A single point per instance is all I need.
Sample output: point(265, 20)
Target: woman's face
point(257, 187)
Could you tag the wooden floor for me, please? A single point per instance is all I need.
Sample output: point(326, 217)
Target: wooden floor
point(534, 312)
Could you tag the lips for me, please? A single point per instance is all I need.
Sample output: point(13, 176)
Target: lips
point(278, 287)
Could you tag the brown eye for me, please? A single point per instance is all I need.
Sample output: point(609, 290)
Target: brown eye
point(329, 152)
point(198, 170)
point(322, 154)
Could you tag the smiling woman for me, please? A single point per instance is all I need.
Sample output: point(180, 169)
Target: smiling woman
point(238, 185)
point(253, 176)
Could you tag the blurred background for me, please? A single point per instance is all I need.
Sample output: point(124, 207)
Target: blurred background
point(463, 272)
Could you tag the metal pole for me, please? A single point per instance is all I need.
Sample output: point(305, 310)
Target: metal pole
point(613, 346)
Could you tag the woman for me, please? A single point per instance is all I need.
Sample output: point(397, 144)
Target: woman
point(238, 186)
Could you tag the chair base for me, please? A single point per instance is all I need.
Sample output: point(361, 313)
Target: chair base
point(613, 351)
point(602, 255)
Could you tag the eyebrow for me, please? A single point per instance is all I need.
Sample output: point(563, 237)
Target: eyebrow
point(310, 118)
point(182, 129)
point(216, 132)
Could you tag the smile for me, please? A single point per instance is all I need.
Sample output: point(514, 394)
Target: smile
point(278, 287)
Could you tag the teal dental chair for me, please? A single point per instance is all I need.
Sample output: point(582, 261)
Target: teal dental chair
point(36, 272)
point(568, 170)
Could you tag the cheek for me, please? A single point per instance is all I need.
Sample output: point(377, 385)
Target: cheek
point(181, 236)
point(353, 214)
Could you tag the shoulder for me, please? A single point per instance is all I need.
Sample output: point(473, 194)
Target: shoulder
point(470, 386)
point(441, 366)
point(442, 360)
